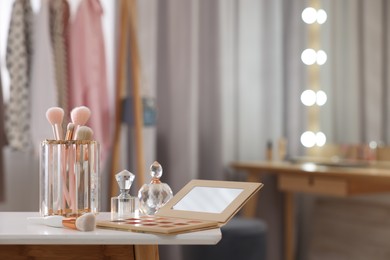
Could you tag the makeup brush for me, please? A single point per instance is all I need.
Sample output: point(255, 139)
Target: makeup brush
point(84, 133)
point(55, 115)
point(68, 136)
point(85, 222)
point(69, 131)
point(80, 116)
point(81, 178)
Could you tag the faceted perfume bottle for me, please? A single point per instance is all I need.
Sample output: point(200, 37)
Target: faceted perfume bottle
point(123, 206)
point(154, 195)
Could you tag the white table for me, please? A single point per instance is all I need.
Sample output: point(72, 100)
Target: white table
point(23, 239)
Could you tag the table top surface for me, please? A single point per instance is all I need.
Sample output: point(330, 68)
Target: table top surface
point(345, 170)
point(15, 229)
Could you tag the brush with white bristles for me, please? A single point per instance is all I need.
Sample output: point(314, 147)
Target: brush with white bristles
point(86, 222)
point(79, 116)
point(84, 133)
point(55, 115)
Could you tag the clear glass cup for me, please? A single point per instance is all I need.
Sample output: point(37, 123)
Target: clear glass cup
point(69, 178)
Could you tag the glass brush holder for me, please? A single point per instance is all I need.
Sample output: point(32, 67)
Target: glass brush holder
point(69, 181)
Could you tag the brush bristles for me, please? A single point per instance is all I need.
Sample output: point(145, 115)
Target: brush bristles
point(55, 115)
point(86, 222)
point(80, 115)
point(69, 131)
point(84, 133)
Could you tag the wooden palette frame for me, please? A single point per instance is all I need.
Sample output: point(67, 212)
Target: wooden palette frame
point(248, 189)
point(180, 221)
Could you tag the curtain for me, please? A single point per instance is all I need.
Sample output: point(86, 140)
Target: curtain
point(229, 80)
point(356, 76)
point(221, 91)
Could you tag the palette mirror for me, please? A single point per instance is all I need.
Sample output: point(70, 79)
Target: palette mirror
point(207, 199)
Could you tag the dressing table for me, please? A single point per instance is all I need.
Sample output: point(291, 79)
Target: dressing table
point(22, 240)
point(340, 180)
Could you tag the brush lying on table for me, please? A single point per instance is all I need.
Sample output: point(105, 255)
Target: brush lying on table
point(86, 222)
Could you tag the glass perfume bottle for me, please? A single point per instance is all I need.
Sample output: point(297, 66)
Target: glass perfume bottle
point(123, 206)
point(154, 195)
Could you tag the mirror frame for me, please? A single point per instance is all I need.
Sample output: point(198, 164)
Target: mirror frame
point(248, 190)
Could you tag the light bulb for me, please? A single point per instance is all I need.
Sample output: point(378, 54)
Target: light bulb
point(309, 15)
point(373, 145)
point(309, 56)
point(321, 16)
point(321, 98)
point(308, 97)
point(320, 139)
point(308, 139)
point(321, 57)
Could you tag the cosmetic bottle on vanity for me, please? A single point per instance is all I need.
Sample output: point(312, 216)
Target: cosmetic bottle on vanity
point(154, 195)
point(123, 206)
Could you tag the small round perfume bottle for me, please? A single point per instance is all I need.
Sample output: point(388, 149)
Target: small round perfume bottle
point(123, 206)
point(154, 195)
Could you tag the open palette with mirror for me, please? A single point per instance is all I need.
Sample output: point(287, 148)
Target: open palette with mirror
point(201, 204)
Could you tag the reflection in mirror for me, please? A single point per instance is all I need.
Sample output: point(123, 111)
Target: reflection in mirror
point(207, 199)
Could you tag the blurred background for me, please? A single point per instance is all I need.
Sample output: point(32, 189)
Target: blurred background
point(226, 78)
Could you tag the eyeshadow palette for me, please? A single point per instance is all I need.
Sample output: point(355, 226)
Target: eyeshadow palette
point(158, 225)
point(201, 204)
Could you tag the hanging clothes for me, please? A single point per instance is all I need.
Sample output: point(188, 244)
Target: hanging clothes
point(43, 85)
point(59, 18)
point(87, 70)
point(17, 113)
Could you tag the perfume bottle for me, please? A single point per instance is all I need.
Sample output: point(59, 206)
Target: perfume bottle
point(154, 195)
point(123, 206)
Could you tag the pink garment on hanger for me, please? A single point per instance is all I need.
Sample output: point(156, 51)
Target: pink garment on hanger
point(87, 70)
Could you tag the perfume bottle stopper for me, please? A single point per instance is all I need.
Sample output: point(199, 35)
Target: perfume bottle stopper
point(125, 180)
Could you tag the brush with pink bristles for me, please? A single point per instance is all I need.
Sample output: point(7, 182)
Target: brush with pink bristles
point(55, 115)
point(79, 116)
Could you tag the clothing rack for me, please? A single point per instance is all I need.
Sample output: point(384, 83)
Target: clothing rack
point(127, 30)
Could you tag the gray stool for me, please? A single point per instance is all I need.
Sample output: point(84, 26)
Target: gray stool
point(241, 239)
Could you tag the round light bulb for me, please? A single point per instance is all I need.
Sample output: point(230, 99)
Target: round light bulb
point(308, 97)
point(321, 57)
point(308, 139)
point(321, 16)
point(309, 15)
point(320, 139)
point(321, 98)
point(373, 145)
point(309, 56)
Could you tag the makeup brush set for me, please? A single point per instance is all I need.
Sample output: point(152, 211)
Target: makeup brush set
point(69, 166)
point(76, 130)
